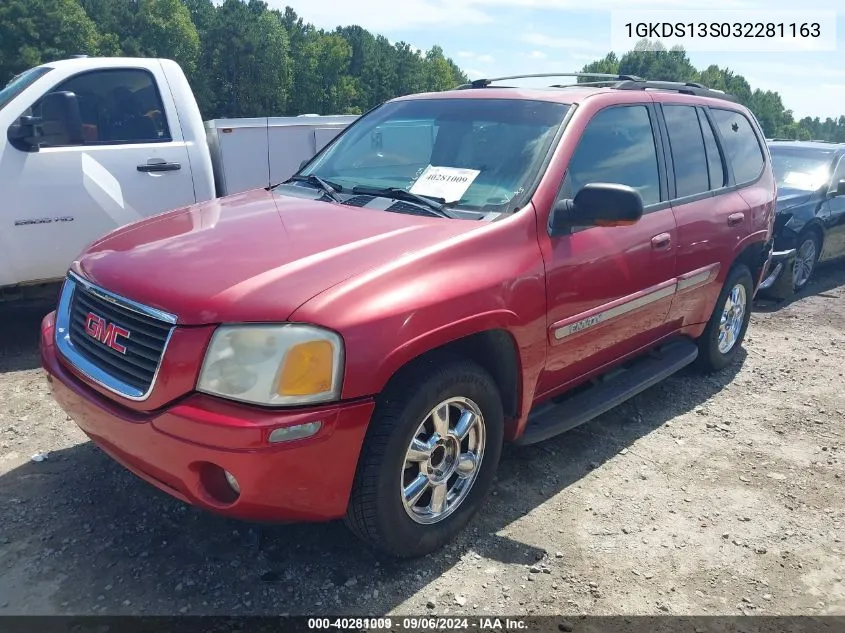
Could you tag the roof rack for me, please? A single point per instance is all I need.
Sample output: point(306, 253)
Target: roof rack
point(617, 82)
point(484, 83)
point(689, 88)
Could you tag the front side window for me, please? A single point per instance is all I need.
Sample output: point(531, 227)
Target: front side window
point(806, 169)
point(475, 154)
point(839, 174)
point(121, 106)
point(20, 83)
point(741, 144)
point(617, 146)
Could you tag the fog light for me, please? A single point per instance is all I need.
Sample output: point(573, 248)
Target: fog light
point(297, 432)
point(232, 481)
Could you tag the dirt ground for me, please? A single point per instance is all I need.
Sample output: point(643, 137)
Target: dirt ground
point(704, 495)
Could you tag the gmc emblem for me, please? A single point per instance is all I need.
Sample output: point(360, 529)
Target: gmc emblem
point(107, 333)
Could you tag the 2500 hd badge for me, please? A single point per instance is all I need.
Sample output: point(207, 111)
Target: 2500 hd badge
point(65, 218)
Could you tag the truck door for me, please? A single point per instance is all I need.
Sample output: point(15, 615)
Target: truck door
point(131, 163)
point(609, 289)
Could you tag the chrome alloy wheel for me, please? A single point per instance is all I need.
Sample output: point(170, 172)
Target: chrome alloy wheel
point(443, 460)
point(805, 261)
point(732, 318)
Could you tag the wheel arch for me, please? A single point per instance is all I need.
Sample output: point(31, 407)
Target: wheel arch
point(494, 349)
point(815, 226)
point(753, 253)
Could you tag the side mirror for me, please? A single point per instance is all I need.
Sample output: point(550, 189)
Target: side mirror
point(59, 123)
point(597, 204)
point(840, 188)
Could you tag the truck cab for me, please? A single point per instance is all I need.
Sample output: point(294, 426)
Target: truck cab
point(92, 144)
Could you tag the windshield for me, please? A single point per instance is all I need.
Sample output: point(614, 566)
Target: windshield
point(805, 169)
point(473, 154)
point(20, 83)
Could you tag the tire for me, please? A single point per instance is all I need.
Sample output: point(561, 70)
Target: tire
point(711, 356)
point(808, 243)
point(377, 511)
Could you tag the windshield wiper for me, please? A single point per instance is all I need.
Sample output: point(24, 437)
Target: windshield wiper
point(431, 205)
point(328, 188)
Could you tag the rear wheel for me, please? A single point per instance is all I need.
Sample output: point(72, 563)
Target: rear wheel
point(723, 336)
point(429, 459)
point(806, 258)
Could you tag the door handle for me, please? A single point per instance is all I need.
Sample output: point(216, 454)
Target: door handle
point(735, 218)
point(662, 241)
point(151, 167)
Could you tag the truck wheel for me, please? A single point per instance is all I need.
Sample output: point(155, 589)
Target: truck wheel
point(806, 258)
point(429, 458)
point(722, 338)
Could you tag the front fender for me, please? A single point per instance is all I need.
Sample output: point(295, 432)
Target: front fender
point(440, 336)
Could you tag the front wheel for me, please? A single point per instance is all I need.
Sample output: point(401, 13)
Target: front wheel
point(723, 336)
point(806, 258)
point(429, 458)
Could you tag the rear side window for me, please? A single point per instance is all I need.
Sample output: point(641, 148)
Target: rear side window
point(715, 166)
point(617, 147)
point(688, 155)
point(117, 107)
point(741, 144)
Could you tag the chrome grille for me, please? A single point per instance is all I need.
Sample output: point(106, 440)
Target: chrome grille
point(129, 365)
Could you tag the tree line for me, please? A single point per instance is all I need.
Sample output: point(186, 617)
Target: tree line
point(241, 57)
point(652, 61)
point(245, 59)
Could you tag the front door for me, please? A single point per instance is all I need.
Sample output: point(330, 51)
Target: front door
point(133, 163)
point(834, 217)
point(609, 289)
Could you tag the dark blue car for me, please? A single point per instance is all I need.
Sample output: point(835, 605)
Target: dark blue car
point(810, 221)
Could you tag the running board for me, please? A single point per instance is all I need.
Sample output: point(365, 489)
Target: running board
point(553, 419)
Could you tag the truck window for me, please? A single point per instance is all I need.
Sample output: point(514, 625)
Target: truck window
point(715, 160)
point(119, 106)
point(687, 144)
point(741, 144)
point(20, 83)
point(617, 147)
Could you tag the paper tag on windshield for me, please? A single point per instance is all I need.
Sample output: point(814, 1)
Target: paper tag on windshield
point(449, 183)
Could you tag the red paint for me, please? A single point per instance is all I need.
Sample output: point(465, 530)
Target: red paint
point(307, 480)
point(107, 333)
point(394, 286)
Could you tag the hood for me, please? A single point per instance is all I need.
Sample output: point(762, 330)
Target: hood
point(789, 197)
point(255, 256)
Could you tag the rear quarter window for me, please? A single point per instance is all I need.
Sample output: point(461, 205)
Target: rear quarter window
point(741, 144)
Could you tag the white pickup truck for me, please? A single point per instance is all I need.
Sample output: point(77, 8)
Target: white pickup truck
point(91, 144)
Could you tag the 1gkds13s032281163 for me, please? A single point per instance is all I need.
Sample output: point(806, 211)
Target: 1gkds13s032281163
point(746, 31)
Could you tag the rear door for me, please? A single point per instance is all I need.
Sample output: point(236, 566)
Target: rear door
point(714, 153)
point(132, 163)
point(609, 289)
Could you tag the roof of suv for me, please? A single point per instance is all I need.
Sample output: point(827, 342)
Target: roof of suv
point(578, 92)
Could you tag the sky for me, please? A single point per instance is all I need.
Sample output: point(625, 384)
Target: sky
point(489, 38)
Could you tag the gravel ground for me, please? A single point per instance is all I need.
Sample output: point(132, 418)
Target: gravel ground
point(704, 495)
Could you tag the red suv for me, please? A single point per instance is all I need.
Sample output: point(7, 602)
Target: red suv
point(359, 341)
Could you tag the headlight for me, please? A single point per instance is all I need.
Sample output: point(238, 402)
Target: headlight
point(284, 364)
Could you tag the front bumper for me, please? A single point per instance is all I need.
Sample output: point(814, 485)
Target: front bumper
point(778, 282)
point(182, 448)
